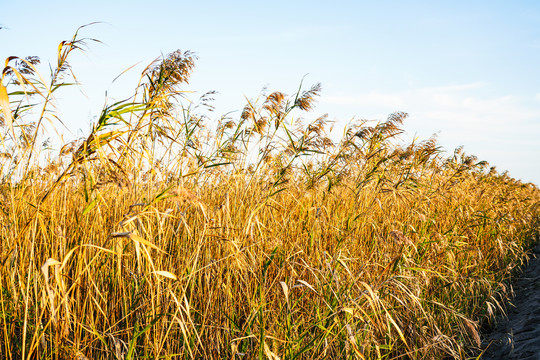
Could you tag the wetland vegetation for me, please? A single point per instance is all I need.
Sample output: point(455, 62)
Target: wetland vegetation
point(170, 233)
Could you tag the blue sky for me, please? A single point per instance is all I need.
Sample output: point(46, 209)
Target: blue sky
point(466, 70)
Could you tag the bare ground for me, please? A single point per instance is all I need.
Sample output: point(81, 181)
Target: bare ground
point(517, 336)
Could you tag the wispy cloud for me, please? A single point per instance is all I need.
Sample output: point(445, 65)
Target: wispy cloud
point(503, 127)
point(446, 107)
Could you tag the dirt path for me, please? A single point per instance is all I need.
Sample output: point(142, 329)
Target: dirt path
point(518, 336)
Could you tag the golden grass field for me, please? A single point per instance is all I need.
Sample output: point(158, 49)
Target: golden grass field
point(166, 234)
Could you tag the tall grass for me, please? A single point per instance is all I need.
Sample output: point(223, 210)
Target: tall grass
point(165, 234)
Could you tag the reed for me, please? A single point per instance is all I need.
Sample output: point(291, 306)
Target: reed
point(167, 234)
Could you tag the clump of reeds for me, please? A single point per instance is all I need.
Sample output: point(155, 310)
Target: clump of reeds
point(163, 234)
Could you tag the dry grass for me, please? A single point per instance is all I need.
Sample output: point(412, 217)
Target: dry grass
point(161, 235)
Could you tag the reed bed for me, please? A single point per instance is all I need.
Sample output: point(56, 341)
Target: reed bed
point(167, 233)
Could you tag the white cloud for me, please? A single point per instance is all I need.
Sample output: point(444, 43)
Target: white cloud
point(444, 106)
point(501, 129)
